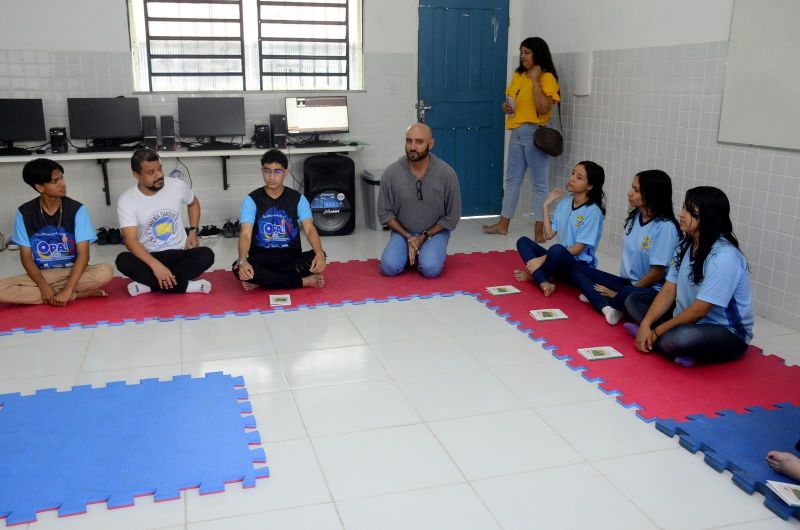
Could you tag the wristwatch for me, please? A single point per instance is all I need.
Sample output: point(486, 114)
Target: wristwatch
point(426, 234)
point(239, 261)
point(192, 229)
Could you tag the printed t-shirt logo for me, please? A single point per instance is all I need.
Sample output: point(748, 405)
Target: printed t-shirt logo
point(53, 248)
point(646, 243)
point(579, 221)
point(162, 226)
point(275, 229)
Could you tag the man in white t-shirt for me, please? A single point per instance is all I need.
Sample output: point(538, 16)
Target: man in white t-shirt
point(162, 255)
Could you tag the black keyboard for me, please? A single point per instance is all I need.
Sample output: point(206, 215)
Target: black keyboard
point(214, 147)
point(107, 149)
point(321, 143)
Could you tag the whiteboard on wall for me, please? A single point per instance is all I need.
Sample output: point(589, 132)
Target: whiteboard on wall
point(761, 97)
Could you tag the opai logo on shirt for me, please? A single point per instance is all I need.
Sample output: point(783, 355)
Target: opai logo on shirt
point(579, 221)
point(275, 229)
point(646, 243)
point(53, 248)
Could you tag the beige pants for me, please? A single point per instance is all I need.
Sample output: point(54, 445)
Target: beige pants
point(23, 290)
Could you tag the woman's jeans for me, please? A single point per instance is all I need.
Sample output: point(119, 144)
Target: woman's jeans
point(559, 263)
point(523, 155)
point(586, 277)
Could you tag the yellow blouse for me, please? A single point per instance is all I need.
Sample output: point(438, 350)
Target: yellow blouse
point(521, 91)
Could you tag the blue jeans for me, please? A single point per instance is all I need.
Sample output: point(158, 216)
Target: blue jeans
point(709, 343)
point(523, 155)
point(584, 278)
point(638, 302)
point(430, 261)
point(559, 263)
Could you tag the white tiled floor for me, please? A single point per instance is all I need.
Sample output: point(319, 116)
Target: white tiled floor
point(425, 414)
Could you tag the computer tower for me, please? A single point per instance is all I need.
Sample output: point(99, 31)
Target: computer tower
point(261, 138)
point(58, 139)
point(329, 183)
point(278, 129)
point(149, 132)
point(167, 133)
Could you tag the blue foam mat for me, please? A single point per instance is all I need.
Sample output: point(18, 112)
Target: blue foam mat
point(64, 450)
point(740, 443)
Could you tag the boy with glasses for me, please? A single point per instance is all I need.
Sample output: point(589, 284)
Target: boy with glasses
point(270, 253)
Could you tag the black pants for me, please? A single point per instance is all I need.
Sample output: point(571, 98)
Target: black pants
point(279, 269)
point(185, 265)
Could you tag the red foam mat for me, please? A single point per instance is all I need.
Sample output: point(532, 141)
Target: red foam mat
point(659, 387)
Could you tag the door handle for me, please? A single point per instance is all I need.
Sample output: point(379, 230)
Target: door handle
point(421, 109)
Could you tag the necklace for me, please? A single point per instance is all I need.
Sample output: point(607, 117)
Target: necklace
point(60, 214)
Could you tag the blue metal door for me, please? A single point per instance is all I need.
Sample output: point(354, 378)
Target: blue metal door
point(462, 77)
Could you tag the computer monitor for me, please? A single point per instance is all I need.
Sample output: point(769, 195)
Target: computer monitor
point(211, 117)
point(106, 121)
point(20, 120)
point(315, 115)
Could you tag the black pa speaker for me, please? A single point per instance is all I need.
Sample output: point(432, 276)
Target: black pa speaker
point(167, 133)
point(149, 132)
point(329, 184)
point(58, 139)
point(261, 137)
point(278, 129)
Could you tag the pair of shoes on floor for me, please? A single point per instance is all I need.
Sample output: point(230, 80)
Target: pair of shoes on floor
point(109, 236)
point(228, 229)
point(209, 231)
point(10, 244)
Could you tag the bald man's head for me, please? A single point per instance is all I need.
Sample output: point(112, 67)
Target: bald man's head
point(419, 141)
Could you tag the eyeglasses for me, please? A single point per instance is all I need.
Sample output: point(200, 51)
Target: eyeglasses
point(419, 189)
point(277, 172)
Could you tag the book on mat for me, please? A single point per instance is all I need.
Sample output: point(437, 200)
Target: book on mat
point(548, 314)
point(599, 352)
point(789, 493)
point(280, 299)
point(503, 289)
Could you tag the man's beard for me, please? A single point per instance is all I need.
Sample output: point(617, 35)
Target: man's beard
point(157, 185)
point(416, 156)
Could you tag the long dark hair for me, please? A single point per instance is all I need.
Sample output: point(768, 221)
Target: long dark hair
point(710, 206)
point(656, 189)
point(596, 176)
point(541, 55)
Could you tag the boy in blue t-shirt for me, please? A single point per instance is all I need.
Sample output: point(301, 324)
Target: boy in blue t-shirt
point(270, 253)
point(53, 233)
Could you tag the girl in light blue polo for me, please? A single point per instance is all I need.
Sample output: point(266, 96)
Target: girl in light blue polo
point(651, 235)
point(709, 283)
point(578, 222)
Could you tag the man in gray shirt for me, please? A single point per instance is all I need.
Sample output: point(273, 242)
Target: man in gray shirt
point(421, 203)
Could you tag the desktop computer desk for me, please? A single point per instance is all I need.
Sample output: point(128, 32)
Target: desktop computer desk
point(103, 158)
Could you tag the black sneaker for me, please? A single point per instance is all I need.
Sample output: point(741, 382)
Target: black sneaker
point(214, 231)
point(204, 233)
point(236, 228)
point(102, 236)
point(114, 236)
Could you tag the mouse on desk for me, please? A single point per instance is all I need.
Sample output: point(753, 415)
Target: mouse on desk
point(353, 143)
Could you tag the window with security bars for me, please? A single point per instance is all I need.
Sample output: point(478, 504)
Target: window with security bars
point(236, 45)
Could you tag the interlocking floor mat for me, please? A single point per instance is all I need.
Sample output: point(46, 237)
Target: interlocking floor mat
point(64, 450)
point(659, 389)
point(739, 443)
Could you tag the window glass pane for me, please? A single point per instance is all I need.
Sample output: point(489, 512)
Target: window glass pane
point(304, 31)
point(176, 10)
point(325, 49)
point(201, 66)
point(194, 29)
point(187, 47)
point(304, 83)
point(308, 66)
point(197, 84)
point(317, 14)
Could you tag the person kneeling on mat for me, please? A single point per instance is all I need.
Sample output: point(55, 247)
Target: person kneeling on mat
point(270, 252)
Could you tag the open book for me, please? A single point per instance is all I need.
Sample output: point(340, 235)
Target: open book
point(280, 299)
point(503, 289)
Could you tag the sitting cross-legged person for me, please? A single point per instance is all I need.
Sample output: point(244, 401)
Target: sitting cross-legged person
point(161, 256)
point(53, 232)
point(270, 252)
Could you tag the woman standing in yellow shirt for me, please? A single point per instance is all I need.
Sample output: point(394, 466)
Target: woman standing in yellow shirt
point(529, 102)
